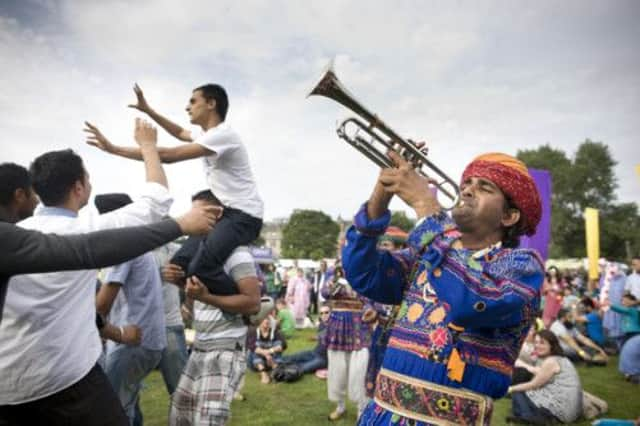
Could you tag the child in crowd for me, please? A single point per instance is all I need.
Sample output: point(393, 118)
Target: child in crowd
point(631, 315)
point(285, 319)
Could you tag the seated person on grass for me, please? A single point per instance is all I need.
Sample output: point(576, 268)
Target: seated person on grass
point(316, 358)
point(575, 345)
point(590, 318)
point(265, 344)
point(554, 393)
point(286, 321)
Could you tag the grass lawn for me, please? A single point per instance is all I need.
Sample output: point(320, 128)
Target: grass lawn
point(305, 402)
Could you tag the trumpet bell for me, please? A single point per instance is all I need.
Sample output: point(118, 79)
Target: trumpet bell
point(373, 138)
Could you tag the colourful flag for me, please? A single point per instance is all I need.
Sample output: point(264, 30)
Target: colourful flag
point(541, 239)
point(592, 227)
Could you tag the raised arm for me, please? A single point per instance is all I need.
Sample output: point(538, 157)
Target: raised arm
point(167, 154)
point(172, 128)
point(379, 275)
point(146, 136)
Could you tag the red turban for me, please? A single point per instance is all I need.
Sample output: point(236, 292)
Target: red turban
point(513, 179)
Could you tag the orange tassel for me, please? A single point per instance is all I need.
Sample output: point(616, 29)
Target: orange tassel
point(455, 366)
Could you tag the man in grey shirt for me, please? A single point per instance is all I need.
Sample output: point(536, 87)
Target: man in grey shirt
point(217, 362)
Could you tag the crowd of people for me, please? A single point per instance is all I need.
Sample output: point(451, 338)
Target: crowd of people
point(573, 325)
point(427, 326)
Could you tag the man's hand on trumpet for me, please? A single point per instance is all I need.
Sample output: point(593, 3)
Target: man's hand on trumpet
point(410, 186)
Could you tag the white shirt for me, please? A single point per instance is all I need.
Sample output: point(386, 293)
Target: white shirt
point(560, 330)
point(228, 172)
point(48, 337)
point(632, 285)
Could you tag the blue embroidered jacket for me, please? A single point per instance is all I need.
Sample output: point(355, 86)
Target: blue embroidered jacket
point(479, 303)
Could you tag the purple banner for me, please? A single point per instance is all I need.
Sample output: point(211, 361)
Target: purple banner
point(540, 240)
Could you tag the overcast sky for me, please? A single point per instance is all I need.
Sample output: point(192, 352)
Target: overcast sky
point(466, 76)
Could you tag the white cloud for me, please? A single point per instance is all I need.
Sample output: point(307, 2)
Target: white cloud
point(467, 78)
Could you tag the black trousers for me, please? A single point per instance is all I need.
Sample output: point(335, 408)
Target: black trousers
point(89, 402)
point(204, 257)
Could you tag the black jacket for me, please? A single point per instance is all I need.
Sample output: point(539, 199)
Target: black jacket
point(24, 251)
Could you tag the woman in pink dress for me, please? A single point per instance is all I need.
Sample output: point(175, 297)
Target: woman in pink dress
point(298, 290)
point(552, 293)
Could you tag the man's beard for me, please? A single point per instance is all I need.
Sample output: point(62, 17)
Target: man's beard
point(568, 324)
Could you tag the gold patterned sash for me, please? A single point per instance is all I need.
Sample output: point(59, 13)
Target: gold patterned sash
point(346, 305)
point(430, 402)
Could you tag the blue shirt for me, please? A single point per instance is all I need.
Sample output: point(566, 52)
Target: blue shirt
point(479, 303)
point(594, 328)
point(139, 300)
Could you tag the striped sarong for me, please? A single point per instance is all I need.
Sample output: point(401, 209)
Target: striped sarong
point(206, 388)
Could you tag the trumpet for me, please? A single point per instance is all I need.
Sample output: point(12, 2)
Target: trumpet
point(363, 133)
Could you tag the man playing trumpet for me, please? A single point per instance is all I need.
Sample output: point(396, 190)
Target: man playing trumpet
point(467, 295)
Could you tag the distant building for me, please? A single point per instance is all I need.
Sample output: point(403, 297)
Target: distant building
point(272, 234)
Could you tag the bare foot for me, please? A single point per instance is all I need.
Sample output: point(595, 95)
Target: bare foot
point(264, 378)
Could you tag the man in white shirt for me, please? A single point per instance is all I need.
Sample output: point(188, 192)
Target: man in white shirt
point(49, 344)
point(632, 285)
point(227, 170)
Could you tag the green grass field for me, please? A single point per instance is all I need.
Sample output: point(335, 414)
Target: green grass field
point(305, 402)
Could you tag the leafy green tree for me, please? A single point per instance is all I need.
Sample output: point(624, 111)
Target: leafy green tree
point(593, 182)
point(618, 231)
point(400, 219)
point(587, 180)
point(310, 234)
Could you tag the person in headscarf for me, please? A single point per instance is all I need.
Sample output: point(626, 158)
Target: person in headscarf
point(468, 296)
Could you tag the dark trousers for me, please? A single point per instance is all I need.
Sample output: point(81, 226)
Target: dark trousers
point(204, 257)
point(89, 402)
point(523, 408)
point(313, 303)
point(308, 361)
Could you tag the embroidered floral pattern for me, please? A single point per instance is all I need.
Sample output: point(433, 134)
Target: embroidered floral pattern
point(414, 312)
point(439, 337)
point(437, 316)
point(432, 403)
